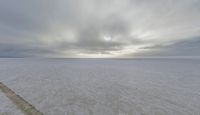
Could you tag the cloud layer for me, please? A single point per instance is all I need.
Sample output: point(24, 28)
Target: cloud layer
point(98, 28)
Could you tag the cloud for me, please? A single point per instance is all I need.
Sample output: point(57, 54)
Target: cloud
point(189, 47)
point(83, 28)
point(15, 50)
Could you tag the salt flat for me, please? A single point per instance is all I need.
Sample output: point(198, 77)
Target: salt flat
point(7, 107)
point(105, 86)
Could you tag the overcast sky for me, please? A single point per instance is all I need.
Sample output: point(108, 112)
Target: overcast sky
point(99, 28)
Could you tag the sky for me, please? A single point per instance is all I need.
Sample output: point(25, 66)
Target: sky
point(99, 28)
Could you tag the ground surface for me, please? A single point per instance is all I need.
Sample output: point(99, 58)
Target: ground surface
point(7, 107)
point(21, 104)
point(104, 87)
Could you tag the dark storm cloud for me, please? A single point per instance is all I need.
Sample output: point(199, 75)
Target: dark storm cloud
point(70, 28)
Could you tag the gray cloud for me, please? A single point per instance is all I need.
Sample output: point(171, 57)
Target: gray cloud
point(188, 47)
point(14, 50)
point(182, 48)
point(84, 28)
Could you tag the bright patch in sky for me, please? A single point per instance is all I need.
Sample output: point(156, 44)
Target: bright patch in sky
point(107, 38)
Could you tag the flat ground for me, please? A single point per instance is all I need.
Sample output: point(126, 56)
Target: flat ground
point(104, 87)
point(7, 107)
point(21, 104)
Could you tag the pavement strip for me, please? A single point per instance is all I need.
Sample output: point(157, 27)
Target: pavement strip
point(22, 104)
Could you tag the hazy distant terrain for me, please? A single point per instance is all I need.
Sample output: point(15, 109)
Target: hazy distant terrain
point(104, 86)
